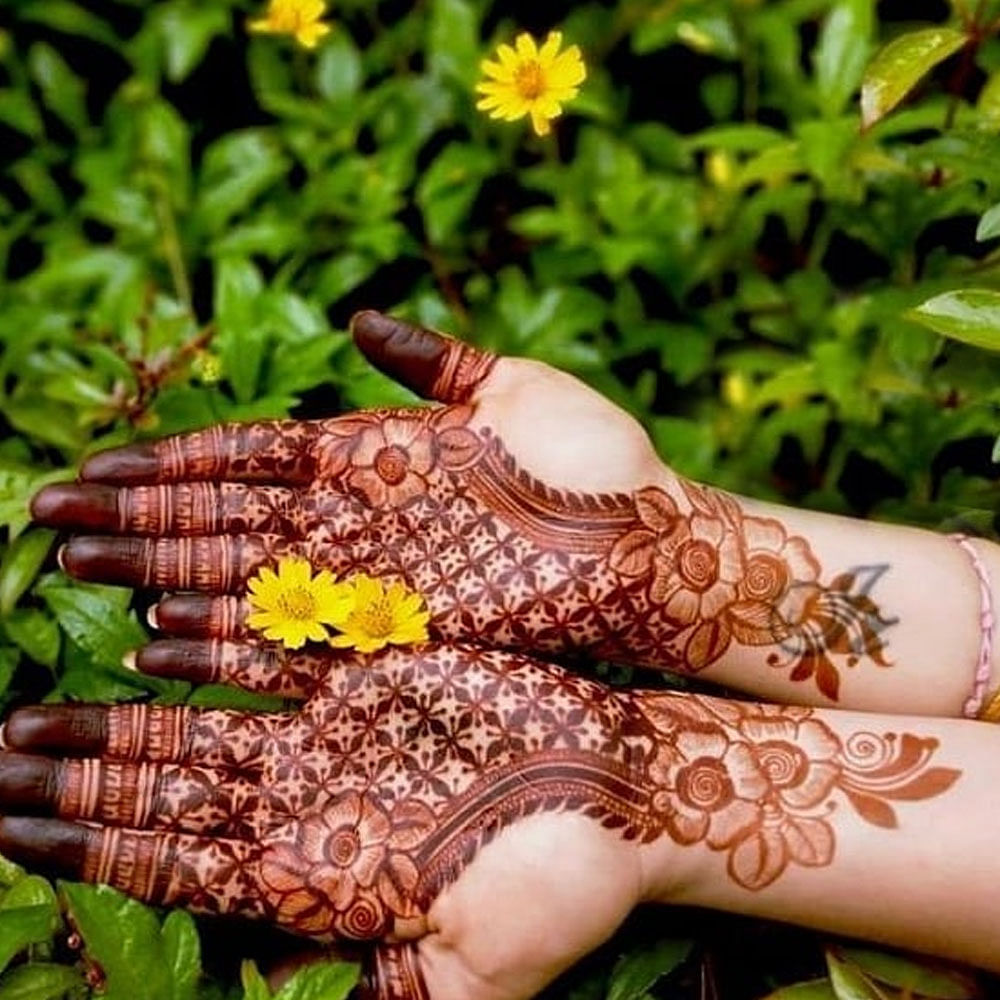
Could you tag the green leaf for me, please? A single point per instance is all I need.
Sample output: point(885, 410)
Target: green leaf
point(236, 169)
point(9, 658)
point(241, 339)
point(94, 619)
point(18, 111)
point(814, 989)
point(912, 975)
point(848, 982)
point(221, 696)
point(62, 90)
point(9, 873)
point(989, 224)
point(996, 451)
point(323, 981)
point(123, 938)
point(21, 563)
point(900, 65)
point(450, 185)
point(187, 30)
point(338, 67)
point(36, 633)
point(636, 972)
point(40, 981)
point(21, 927)
point(182, 951)
point(254, 984)
point(31, 890)
point(69, 18)
point(841, 54)
point(971, 315)
point(453, 40)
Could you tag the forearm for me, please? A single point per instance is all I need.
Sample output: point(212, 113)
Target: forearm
point(814, 608)
point(899, 848)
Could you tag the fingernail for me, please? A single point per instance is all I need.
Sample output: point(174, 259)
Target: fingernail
point(152, 616)
point(128, 661)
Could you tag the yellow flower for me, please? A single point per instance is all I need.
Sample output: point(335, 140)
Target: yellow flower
point(381, 616)
point(293, 606)
point(300, 18)
point(531, 81)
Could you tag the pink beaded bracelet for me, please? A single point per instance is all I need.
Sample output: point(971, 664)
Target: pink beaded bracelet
point(984, 666)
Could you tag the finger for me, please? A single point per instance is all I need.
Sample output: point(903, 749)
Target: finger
point(211, 875)
point(265, 668)
point(213, 563)
point(394, 974)
point(135, 794)
point(432, 365)
point(200, 617)
point(178, 509)
point(275, 451)
point(155, 733)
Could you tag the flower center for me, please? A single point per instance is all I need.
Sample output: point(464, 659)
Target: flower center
point(784, 764)
point(392, 464)
point(698, 564)
point(344, 847)
point(705, 784)
point(298, 603)
point(285, 15)
point(377, 619)
point(530, 80)
point(765, 578)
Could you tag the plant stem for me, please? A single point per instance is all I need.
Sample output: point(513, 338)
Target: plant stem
point(172, 249)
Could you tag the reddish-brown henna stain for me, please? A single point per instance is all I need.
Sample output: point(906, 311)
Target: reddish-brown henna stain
point(666, 576)
point(360, 810)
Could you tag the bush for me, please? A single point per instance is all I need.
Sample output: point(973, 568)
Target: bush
point(709, 237)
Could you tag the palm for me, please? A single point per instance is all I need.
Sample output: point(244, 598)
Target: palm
point(358, 817)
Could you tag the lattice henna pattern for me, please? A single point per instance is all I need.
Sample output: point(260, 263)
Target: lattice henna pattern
point(671, 576)
point(355, 814)
point(363, 808)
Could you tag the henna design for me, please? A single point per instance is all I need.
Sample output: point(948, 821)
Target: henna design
point(665, 578)
point(672, 576)
point(395, 975)
point(359, 811)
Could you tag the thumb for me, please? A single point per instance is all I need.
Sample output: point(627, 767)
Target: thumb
point(432, 365)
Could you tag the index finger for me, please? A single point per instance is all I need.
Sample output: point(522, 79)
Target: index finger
point(273, 451)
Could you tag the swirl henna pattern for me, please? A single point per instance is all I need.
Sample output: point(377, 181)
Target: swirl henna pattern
point(348, 819)
point(670, 576)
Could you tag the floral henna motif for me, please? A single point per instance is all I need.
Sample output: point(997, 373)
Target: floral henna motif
point(667, 577)
point(672, 576)
point(347, 820)
point(408, 768)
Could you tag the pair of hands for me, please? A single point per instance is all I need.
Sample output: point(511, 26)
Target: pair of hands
point(478, 814)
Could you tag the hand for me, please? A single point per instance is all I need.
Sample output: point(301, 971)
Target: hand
point(531, 513)
point(483, 818)
point(359, 817)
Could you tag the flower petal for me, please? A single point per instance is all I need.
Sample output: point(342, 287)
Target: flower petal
point(525, 46)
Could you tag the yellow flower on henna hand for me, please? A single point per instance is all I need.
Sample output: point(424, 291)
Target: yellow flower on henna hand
point(292, 606)
point(300, 18)
point(380, 616)
point(528, 80)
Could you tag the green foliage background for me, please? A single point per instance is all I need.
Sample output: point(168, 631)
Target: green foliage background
point(188, 217)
